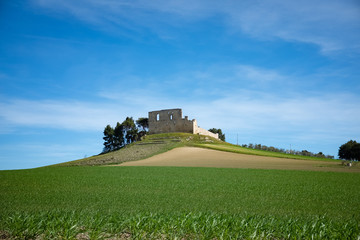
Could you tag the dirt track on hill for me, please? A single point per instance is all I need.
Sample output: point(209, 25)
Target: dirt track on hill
point(200, 157)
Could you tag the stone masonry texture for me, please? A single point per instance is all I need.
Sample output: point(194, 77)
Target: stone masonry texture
point(171, 120)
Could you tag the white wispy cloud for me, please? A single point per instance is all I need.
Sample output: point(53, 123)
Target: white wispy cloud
point(44, 153)
point(332, 25)
point(259, 112)
point(73, 115)
point(218, 96)
point(322, 118)
point(245, 110)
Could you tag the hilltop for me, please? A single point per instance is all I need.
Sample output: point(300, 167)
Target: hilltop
point(155, 144)
point(149, 145)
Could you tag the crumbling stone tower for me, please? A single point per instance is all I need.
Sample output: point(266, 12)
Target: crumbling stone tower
point(170, 120)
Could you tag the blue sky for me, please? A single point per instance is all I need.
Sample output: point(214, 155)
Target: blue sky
point(271, 72)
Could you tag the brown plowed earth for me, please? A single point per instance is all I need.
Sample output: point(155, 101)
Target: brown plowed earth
point(201, 157)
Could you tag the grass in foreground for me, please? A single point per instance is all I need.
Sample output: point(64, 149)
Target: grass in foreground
point(77, 225)
point(194, 203)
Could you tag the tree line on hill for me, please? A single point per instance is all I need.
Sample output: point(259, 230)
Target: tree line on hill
point(282, 150)
point(124, 133)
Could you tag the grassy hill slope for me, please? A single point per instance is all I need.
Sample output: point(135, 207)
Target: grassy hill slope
point(158, 143)
point(150, 145)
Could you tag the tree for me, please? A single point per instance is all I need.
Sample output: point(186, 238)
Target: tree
point(350, 151)
point(305, 153)
point(130, 130)
point(320, 155)
point(143, 123)
point(119, 141)
point(221, 135)
point(124, 133)
point(109, 138)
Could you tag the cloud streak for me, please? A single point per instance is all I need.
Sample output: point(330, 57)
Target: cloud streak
point(332, 25)
point(219, 96)
point(73, 115)
point(242, 111)
point(255, 115)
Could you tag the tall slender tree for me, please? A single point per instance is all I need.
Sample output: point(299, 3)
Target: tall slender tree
point(119, 141)
point(130, 130)
point(109, 139)
point(143, 126)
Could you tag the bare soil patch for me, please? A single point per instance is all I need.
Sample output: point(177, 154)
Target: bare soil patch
point(201, 157)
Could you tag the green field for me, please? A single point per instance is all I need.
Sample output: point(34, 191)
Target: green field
point(170, 202)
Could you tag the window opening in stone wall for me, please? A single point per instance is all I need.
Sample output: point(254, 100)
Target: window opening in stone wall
point(158, 117)
point(171, 117)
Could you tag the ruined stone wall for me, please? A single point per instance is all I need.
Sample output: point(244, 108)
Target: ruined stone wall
point(170, 120)
point(202, 131)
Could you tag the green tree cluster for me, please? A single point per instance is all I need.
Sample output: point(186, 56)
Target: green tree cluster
point(218, 130)
point(124, 133)
point(350, 151)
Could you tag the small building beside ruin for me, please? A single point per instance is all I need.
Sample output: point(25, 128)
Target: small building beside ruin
point(171, 120)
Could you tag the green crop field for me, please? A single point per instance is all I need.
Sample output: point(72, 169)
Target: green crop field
point(174, 203)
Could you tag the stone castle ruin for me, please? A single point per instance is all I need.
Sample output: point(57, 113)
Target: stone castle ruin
point(170, 120)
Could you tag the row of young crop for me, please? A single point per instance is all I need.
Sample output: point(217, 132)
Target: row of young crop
point(175, 203)
point(78, 225)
